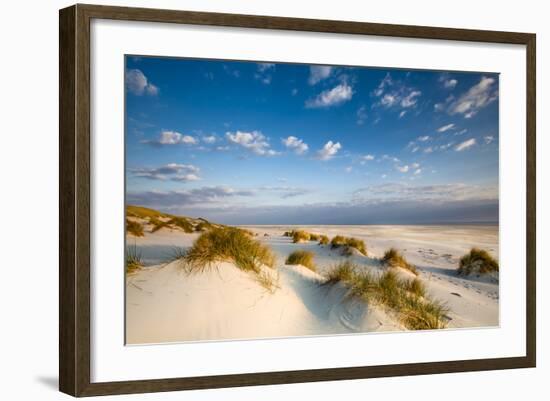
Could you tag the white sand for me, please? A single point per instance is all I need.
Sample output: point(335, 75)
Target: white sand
point(164, 304)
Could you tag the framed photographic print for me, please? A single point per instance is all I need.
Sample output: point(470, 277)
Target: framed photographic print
point(250, 200)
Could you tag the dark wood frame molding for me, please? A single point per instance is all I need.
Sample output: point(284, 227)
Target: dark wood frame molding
point(74, 199)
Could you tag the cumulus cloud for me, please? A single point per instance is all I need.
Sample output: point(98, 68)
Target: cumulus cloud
point(423, 138)
point(447, 81)
point(329, 150)
point(138, 84)
point(474, 99)
point(402, 169)
point(465, 145)
point(171, 171)
point(446, 128)
point(172, 138)
point(367, 158)
point(209, 139)
point(295, 144)
point(253, 141)
point(319, 72)
point(393, 93)
point(488, 139)
point(331, 97)
point(263, 73)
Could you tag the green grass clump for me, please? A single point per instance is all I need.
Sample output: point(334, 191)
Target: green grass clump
point(134, 228)
point(299, 236)
point(349, 242)
point(300, 257)
point(314, 237)
point(323, 240)
point(393, 258)
point(182, 223)
point(229, 244)
point(133, 260)
point(406, 298)
point(477, 261)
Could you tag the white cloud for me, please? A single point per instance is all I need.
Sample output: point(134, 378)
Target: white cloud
point(319, 72)
point(254, 141)
point(171, 171)
point(402, 169)
point(265, 66)
point(331, 97)
point(428, 150)
point(465, 145)
point(475, 98)
point(393, 93)
point(173, 138)
point(415, 149)
point(349, 169)
point(209, 139)
point(488, 139)
point(418, 171)
point(294, 92)
point(415, 165)
point(368, 157)
point(263, 74)
point(329, 150)
point(423, 138)
point(450, 83)
point(410, 99)
point(461, 132)
point(446, 128)
point(138, 84)
point(295, 144)
point(402, 114)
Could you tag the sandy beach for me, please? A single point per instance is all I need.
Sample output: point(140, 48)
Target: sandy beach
point(164, 303)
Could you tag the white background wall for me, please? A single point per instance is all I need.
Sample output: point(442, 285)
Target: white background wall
point(29, 185)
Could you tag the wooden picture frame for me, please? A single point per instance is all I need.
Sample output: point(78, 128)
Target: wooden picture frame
point(74, 199)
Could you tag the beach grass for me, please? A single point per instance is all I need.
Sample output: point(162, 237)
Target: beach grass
point(133, 260)
point(134, 228)
point(393, 258)
point(301, 257)
point(406, 298)
point(229, 244)
point(340, 241)
point(477, 261)
point(300, 236)
point(323, 240)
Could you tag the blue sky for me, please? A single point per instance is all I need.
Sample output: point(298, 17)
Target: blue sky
point(273, 143)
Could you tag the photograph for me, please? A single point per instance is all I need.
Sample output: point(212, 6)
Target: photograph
point(267, 200)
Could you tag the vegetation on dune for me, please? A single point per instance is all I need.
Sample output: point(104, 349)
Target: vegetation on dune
point(314, 237)
point(349, 242)
point(301, 257)
point(142, 212)
point(393, 258)
point(406, 298)
point(300, 236)
point(133, 260)
point(477, 261)
point(203, 226)
point(134, 228)
point(228, 244)
point(323, 240)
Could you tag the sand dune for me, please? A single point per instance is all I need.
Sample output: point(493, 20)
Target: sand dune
point(166, 304)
